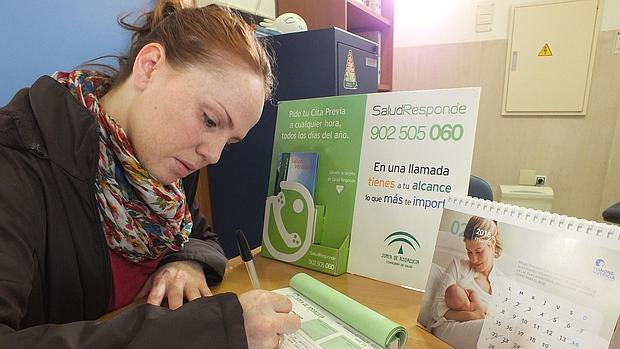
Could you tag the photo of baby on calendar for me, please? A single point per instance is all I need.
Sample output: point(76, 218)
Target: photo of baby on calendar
point(509, 277)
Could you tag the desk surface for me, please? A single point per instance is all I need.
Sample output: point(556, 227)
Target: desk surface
point(397, 303)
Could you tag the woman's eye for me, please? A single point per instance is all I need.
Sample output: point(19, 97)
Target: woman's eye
point(209, 121)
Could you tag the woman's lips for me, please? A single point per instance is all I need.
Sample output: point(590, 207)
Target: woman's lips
point(185, 168)
point(188, 165)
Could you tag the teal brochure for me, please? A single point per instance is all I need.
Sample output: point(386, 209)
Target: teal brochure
point(298, 167)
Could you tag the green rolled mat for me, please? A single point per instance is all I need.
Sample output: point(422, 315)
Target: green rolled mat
point(373, 325)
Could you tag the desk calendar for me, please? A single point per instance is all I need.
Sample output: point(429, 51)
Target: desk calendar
point(546, 281)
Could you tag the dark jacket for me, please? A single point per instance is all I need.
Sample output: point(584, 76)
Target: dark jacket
point(54, 266)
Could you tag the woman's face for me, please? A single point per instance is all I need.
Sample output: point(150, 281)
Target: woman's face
point(480, 254)
point(183, 118)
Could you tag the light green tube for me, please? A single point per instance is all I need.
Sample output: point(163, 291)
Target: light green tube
point(375, 326)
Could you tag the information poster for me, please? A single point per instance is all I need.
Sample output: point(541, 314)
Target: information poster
point(416, 150)
point(382, 166)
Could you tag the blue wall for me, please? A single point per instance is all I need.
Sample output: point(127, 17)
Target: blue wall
point(40, 37)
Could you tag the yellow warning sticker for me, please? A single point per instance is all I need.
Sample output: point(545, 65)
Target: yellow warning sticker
point(545, 51)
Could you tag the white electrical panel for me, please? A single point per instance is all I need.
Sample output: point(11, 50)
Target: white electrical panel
point(550, 57)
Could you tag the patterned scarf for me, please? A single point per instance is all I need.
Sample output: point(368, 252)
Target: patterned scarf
point(141, 217)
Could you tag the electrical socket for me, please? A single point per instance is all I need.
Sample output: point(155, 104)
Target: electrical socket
point(541, 180)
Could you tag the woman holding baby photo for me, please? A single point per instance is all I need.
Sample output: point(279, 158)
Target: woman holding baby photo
point(467, 284)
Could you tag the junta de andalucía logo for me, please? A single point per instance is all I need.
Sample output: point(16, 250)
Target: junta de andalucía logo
point(404, 239)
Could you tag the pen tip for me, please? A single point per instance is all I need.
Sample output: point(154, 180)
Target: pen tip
point(244, 247)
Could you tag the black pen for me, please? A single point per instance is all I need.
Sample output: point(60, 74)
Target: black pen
point(246, 256)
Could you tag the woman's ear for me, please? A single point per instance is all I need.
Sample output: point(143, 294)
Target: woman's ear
point(151, 57)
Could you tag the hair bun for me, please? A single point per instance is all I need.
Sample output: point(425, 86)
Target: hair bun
point(169, 10)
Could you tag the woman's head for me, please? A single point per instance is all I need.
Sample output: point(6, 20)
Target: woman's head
point(194, 80)
point(193, 36)
point(482, 242)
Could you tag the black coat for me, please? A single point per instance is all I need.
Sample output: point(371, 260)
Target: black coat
point(54, 266)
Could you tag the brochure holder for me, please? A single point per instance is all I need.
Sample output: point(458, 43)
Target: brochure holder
point(293, 228)
point(358, 182)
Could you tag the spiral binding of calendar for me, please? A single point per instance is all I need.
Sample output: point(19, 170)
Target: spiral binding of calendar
point(536, 219)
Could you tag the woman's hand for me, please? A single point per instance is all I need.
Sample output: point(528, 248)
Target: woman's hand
point(175, 281)
point(479, 313)
point(267, 316)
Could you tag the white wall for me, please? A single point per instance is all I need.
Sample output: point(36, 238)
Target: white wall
point(579, 155)
point(431, 22)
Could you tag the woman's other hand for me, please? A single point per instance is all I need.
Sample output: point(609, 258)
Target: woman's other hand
point(175, 281)
point(479, 313)
point(267, 316)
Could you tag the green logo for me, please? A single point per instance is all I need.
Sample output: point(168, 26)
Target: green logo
point(404, 238)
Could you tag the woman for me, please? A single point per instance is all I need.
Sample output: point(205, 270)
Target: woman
point(99, 179)
point(477, 275)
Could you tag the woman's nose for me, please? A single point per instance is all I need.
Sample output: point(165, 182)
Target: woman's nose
point(211, 150)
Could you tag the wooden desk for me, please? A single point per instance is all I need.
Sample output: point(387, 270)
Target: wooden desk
point(397, 303)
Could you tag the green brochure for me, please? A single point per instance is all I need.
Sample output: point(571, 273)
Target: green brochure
point(308, 219)
point(332, 320)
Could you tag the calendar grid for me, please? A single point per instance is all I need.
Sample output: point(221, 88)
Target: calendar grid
point(524, 317)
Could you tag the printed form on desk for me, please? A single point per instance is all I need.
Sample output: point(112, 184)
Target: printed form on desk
point(331, 320)
point(322, 330)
